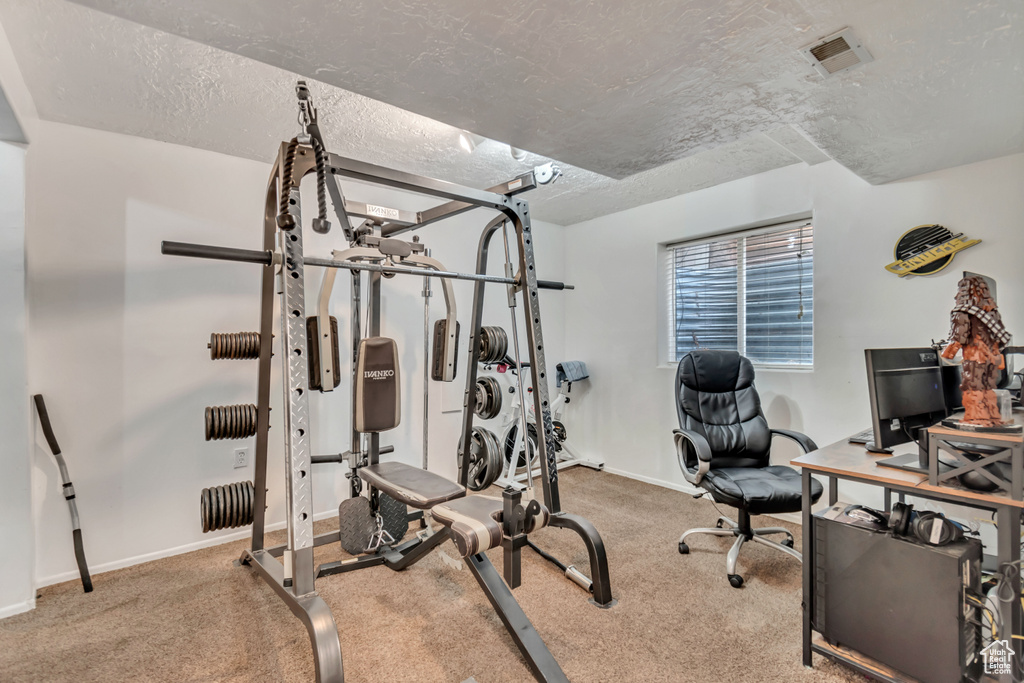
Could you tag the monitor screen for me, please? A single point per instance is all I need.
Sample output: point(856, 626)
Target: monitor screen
point(907, 393)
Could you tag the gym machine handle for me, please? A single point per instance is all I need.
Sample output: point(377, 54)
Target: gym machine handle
point(69, 492)
point(550, 284)
point(220, 253)
point(342, 457)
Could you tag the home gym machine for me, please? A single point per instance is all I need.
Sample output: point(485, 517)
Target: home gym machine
point(307, 350)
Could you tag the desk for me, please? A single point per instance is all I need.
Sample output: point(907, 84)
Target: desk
point(843, 460)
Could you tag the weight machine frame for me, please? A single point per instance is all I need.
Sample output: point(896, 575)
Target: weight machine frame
point(283, 260)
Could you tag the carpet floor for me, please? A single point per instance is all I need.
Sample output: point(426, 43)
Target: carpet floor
point(195, 617)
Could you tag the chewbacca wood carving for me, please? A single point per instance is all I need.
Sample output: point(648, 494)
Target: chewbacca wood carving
point(977, 328)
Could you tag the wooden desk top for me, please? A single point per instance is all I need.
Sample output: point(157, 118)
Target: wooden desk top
point(854, 461)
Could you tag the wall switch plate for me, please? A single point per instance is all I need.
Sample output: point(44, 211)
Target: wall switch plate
point(241, 457)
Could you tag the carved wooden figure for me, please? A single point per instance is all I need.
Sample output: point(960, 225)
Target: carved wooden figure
point(977, 328)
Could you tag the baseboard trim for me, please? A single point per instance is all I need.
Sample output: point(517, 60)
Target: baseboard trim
point(169, 552)
point(685, 488)
point(793, 517)
point(17, 608)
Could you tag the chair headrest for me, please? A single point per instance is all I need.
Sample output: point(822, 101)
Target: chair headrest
point(716, 372)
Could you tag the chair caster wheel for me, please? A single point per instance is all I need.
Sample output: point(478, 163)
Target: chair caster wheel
point(683, 548)
point(788, 543)
point(718, 524)
point(735, 580)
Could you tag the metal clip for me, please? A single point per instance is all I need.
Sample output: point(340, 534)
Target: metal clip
point(379, 537)
point(307, 112)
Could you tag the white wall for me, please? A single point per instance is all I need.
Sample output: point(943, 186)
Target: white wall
point(612, 323)
point(16, 538)
point(118, 338)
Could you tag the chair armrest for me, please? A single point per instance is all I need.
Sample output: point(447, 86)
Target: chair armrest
point(805, 441)
point(700, 446)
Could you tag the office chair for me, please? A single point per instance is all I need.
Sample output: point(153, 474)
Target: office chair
point(723, 445)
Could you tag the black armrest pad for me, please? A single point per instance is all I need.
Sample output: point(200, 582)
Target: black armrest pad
point(805, 441)
point(700, 444)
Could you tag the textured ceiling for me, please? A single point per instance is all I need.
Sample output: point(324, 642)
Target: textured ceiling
point(623, 87)
point(675, 95)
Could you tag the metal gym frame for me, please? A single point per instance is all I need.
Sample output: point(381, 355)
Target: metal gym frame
point(283, 261)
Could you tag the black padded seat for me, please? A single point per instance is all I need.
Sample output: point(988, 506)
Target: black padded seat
point(759, 491)
point(475, 522)
point(413, 486)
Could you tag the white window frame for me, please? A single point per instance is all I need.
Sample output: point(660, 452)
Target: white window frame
point(667, 332)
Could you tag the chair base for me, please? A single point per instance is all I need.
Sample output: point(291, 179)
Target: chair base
point(743, 533)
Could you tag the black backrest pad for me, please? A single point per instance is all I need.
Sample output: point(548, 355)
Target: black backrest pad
point(378, 401)
point(717, 399)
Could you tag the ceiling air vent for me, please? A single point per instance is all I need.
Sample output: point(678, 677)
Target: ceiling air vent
point(836, 53)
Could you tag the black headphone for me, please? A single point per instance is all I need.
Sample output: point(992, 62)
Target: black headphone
point(904, 521)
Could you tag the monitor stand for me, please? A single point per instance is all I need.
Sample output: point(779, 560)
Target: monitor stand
point(870, 447)
point(911, 462)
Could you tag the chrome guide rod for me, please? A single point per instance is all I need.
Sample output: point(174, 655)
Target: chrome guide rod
point(426, 363)
point(511, 293)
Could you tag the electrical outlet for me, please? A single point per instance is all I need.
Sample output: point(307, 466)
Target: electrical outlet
point(241, 457)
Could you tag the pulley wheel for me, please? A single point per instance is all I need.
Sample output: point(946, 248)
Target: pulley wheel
point(484, 458)
point(488, 398)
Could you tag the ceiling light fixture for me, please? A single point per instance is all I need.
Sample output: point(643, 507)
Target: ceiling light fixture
point(469, 141)
point(517, 153)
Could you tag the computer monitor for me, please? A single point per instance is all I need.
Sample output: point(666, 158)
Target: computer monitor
point(907, 394)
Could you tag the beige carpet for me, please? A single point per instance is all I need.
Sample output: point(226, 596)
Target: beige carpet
point(196, 617)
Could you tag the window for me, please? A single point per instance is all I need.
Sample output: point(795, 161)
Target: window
point(750, 292)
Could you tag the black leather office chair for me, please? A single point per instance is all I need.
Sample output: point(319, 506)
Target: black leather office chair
point(724, 445)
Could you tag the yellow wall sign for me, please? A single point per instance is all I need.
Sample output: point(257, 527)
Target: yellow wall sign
point(927, 249)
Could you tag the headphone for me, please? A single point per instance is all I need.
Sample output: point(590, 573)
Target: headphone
point(866, 514)
point(904, 521)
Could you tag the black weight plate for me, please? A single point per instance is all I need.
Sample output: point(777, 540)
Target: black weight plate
point(395, 516)
point(204, 508)
point(356, 524)
point(232, 520)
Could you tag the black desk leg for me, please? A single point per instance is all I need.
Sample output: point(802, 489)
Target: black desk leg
point(887, 496)
point(1008, 544)
point(808, 560)
point(833, 491)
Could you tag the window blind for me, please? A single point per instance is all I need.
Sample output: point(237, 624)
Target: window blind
point(779, 308)
point(749, 292)
point(706, 296)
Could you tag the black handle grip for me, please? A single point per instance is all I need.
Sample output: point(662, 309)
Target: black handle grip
point(551, 284)
point(44, 420)
point(83, 568)
point(220, 253)
point(341, 457)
